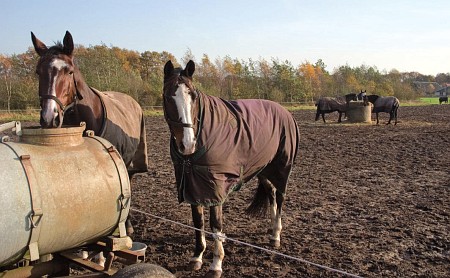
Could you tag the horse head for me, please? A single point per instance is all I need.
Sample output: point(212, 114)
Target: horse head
point(57, 85)
point(363, 96)
point(372, 98)
point(350, 97)
point(181, 106)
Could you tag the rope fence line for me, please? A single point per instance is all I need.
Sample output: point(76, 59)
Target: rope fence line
point(251, 245)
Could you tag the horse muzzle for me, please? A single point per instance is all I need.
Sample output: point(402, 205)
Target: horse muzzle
point(50, 120)
point(187, 149)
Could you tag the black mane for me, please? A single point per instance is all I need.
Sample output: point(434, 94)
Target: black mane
point(58, 48)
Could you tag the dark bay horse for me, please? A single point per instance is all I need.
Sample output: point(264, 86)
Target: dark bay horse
point(328, 105)
point(65, 98)
point(217, 145)
point(388, 104)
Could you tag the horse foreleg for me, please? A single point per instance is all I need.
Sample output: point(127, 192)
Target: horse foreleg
point(215, 270)
point(323, 118)
point(200, 241)
point(377, 117)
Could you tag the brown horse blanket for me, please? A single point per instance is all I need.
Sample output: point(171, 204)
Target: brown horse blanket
point(236, 140)
point(332, 104)
point(124, 127)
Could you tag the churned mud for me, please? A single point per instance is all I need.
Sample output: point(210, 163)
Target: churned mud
point(369, 200)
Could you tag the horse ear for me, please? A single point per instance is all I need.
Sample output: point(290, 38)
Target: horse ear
point(68, 43)
point(39, 46)
point(190, 68)
point(168, 69)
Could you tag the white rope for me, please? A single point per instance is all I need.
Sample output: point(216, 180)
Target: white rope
point(251, 245)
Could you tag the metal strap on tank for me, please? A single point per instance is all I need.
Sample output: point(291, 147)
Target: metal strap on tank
point(36, 213)
point(125, 191)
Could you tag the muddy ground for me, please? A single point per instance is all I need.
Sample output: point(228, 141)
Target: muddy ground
point(368, 200)
point(372, 201)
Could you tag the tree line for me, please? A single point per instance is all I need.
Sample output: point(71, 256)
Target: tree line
point(141, 76)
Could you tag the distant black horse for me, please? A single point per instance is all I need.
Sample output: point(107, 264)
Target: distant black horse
point(385, 104)
point(443, 99)
point(329, 105)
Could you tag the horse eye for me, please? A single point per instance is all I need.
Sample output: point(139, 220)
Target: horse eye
point(193, 94)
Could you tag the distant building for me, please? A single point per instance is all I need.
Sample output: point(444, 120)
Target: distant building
point(442, 92)
point(427, 88)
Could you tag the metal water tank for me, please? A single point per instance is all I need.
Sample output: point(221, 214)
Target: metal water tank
point(59, 190)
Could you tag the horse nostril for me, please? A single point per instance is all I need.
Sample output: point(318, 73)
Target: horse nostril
point(182, 147)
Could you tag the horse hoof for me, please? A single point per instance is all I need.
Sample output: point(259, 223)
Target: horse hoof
point(213, 274)
point(275, 243)
point(195, 265)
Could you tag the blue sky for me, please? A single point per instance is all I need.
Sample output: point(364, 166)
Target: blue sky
point(389, 34)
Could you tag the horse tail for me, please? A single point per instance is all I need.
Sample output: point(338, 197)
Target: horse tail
point(260, 203)
point(395, 105)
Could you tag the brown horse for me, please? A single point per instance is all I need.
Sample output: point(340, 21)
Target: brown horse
point(217, 146)
point(65, 98)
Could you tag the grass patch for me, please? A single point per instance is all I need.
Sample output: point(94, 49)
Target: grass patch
point(153, 112)
point(299, 107)
point(429, 100)
point(26, 116)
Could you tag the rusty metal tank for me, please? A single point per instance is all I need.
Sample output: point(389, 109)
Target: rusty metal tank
point(59, 190)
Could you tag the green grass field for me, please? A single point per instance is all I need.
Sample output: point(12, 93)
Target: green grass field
point(430, 100)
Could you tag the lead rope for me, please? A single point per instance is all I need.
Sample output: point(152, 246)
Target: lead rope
point(223, 237)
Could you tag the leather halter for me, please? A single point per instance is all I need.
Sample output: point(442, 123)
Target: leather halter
point(62, 108)
point(175, 123)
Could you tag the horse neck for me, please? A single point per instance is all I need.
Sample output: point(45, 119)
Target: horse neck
point(90, 108)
